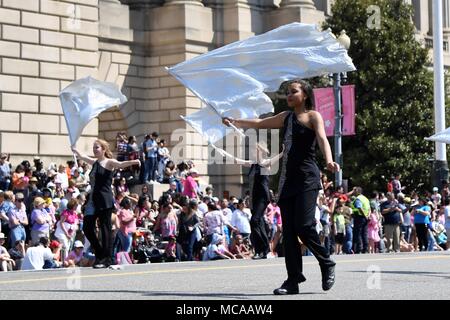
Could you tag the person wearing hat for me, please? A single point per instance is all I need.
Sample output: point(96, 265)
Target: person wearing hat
point(5, 172)
point(18, 219)
point(216, 249)
point(41, 221)
point(76, 256)
point(436, 197)
point(6, 262)
point(101, 200)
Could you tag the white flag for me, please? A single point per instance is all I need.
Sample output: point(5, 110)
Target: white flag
point(231, 80)
point(84, 99)
point(443, 136)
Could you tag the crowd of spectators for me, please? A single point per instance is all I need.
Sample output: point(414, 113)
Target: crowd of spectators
point(42, 209)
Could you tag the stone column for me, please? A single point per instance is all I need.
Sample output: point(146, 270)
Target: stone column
point(298, 3)
point(187, 2)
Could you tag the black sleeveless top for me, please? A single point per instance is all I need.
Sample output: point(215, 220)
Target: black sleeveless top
point(259, 185)
point(101, 192)
point(299, 171)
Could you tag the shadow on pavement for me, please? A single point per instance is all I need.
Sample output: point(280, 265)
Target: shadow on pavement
point(169, 293)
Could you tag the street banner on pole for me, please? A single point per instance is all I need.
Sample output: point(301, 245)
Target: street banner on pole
point(324, 104)
point(348, 110)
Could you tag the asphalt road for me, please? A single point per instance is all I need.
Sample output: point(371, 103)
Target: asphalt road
point(405, 276)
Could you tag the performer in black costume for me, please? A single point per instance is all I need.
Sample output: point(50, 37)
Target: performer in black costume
point(101, 200)
point(299, 181)
point(259, 195)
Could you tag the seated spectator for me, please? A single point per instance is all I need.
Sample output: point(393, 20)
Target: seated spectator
point(76, 257)
point(170, 252)
point(6, 262)
point(17, 253)
point(404, 245)
point(67, 226)
point(122, 187)
point(81, 182)
point(56, 247)
point(173, 189)
point(239, 249)
point(36, 257)
point(216, 250)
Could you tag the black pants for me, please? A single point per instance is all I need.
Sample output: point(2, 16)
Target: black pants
point(298, 216)
point(258, 236)
point(360, 234)
point(422, 236)
point(104, 249)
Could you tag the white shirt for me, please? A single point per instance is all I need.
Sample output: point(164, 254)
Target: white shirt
point(227, 214)
point(241, 221)
point(35, 258)
point(203, 208)
point(447, 217)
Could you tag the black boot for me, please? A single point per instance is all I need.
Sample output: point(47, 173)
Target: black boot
point(328, 278)
point(288, 287)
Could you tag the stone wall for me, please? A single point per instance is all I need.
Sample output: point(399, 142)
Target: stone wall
point(46, 44)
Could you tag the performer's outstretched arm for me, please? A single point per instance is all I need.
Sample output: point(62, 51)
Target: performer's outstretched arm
point(274, 122)
point(83, 157)
point(122, 164)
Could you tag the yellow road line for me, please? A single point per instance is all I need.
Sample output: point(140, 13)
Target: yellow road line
point(135, 273)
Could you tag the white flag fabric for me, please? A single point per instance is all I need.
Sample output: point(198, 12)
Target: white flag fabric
point(231, 80)
point(84, 99)
point(443, 136)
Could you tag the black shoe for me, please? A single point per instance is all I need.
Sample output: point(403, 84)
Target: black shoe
point(287, 288)
point(99, 266)
point(259, 257)
point(328, 278)
point(102, 263)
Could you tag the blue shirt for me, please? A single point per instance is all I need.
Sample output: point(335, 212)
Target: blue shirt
point(420, 218)
point(152, 153)
point(358, 204)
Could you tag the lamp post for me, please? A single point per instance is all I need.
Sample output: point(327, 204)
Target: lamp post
point(344, 40)
point(440, 166)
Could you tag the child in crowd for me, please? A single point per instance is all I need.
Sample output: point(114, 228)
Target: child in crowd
point(239, 249)
point(373, 231)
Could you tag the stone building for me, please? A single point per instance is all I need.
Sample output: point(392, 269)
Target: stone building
point(47, 44)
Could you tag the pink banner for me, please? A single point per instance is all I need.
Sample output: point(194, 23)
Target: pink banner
point(348, 110)
point(324, 102)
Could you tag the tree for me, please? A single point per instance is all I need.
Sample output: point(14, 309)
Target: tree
point(394, 95)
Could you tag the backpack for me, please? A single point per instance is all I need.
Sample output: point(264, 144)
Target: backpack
point(123, 257)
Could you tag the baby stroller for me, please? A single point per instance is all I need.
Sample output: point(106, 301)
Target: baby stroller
point(145, 248)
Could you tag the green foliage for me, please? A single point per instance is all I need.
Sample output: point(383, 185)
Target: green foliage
point(394, 95)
